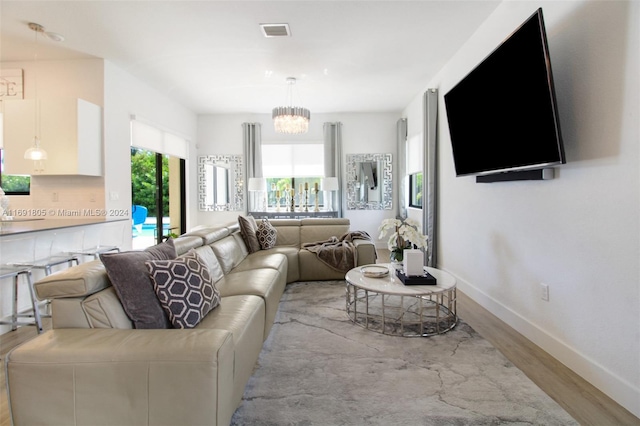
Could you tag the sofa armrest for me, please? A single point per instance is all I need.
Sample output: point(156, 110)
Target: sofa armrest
point(366, 252)
point(109, 376)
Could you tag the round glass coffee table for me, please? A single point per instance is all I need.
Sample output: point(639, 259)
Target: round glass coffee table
point(380, 302)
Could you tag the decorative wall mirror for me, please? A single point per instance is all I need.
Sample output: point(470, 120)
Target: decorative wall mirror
point(220, 183)
point(369, 182)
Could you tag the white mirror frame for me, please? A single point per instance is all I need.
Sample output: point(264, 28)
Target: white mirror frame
point(236, 182)
point(385, 176)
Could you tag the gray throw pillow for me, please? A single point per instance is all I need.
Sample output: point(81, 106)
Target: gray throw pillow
point(131, 280)
point(248, 230)
point(185, 288)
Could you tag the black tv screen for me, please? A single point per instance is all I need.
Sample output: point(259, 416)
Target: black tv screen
point(502, 116)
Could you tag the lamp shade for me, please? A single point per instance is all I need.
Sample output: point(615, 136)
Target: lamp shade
point(35, 153)
point(257, 184)
point(330, 184)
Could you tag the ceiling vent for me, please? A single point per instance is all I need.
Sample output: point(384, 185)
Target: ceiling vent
point(275, 30)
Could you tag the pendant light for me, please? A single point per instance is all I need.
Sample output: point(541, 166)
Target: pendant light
point(291, 119)
point(36, 153)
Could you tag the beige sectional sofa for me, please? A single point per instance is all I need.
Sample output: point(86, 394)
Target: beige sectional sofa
point(95, 368)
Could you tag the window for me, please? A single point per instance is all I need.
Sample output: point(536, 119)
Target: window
point(415, 190)
point(295, 166)
point(283, 186)
point(13, 184)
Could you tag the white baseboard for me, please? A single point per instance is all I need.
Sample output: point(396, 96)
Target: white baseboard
point(617, 388)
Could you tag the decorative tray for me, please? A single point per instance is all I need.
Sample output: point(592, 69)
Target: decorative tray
point(426, 279)
point(374, 271)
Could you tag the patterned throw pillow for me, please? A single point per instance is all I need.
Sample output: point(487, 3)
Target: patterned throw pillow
point(184, 288)
point(266, 234)
point(248, 229)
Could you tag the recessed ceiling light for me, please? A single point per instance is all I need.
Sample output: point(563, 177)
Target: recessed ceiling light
point(275, 30)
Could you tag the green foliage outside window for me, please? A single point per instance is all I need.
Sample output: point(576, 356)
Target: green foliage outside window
point(415, 190)
point(13, 184)
point(143, 180)
point(16, 184)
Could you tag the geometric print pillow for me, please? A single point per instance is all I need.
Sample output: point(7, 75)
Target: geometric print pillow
point(184, 288)
point(266, 234)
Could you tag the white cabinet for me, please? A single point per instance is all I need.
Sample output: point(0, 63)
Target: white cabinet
point(70, 133)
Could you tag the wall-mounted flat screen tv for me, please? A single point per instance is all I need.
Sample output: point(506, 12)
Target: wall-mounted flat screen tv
point(503, 116)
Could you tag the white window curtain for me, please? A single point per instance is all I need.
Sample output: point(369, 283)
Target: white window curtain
point(332, 133)
point(293, 160)
point(152, 138)
point(429, 184)
point(252, 146)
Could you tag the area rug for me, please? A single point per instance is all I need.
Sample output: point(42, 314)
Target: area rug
point(318, 368)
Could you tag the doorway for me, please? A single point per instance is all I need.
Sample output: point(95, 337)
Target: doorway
point(158, 197)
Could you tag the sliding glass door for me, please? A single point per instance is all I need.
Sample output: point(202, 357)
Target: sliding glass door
point(158, 197)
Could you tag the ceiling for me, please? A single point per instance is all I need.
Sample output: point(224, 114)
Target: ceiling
point(212, 57)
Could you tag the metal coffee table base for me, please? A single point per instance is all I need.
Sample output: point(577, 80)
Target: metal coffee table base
point(402, 315)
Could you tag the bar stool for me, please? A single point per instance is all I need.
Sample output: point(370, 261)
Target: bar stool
point(110, 239)
point(44, 256)
point(7, 271)
point(51, 256)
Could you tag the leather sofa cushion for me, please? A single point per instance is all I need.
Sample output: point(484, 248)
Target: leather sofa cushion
point(118, 377)
point(293, 269)
point(68, 312)
point(311, 232)
point(185, 243)
point(312, 268)
point(207, 255)
point(208, 234)
point(228, 252)
point(267, 283)
point(288, 232)
point(244, 317)
point(104, 310)
point(272, 260)
point(84, 279)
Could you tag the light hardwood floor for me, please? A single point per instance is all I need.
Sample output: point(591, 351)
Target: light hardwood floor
point(584, 402)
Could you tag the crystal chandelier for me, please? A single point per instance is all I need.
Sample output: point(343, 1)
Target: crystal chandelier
point(291, 119)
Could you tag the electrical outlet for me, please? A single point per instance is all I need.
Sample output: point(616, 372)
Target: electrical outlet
point(544, 291)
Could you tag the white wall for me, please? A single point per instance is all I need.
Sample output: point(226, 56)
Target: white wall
point(578, 233)
point(124, 95)
point(361, 133)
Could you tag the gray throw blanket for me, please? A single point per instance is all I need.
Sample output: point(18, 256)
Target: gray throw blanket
point(338, 253)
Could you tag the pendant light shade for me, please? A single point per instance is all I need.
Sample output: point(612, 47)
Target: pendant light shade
point(291, 119)
point(35, 153)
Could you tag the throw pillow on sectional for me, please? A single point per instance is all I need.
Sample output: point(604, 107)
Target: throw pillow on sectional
point(266, 234)
point(248, 230)
point(130, 278)
point(184, 288)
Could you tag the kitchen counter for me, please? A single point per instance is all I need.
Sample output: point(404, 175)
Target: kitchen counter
point(26, 225)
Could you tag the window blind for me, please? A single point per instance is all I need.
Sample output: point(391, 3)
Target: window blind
point(151, 138)
point(293, 160)
point(414, 154)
